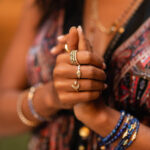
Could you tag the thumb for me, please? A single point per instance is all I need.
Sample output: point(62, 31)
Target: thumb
point(83, 43)
point(73, 38)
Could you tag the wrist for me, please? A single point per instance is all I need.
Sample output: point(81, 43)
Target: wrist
point(107, 121)
point(44, 101)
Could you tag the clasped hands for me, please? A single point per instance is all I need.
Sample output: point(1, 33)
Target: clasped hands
point(92, 81)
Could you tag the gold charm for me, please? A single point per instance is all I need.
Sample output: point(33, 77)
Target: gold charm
point(84, 132)
point(102, 147)
point(81, 147)
point(76, 86)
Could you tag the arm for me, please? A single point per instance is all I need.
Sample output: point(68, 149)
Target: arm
point(102, 119)
point(50, 97)
point(13, 72)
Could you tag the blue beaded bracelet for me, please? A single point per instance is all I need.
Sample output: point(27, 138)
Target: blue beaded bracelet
point(122, 116)
point(121, 131)
point(134, 135)
point(132, 127)
point(105, 141)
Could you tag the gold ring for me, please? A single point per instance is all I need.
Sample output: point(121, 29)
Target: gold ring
point(76, 86)
point(66, 48)
point(79, 72)
point(73, 57)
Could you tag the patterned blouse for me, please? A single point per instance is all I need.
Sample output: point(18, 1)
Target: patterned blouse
point(129, 69)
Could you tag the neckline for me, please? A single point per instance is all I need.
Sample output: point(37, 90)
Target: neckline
point(74, 12)
point(115, 42)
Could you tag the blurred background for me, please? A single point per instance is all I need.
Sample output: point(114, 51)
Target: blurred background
point(10, 13)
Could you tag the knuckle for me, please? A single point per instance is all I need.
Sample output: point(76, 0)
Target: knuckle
point(58, 58)
point(62, 98)
point(57, 84)
point(59, 70)
point(92, 95)
point(104, 75)
point(55, 71)
point(61, 58)
point(91, 71)
point(89, 57)
point(89, 96)
point(90, 84)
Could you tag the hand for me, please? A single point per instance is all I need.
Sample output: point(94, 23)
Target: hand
point(64, 75)
point(90, 112)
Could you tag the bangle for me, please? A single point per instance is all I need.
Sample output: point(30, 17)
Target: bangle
point(30, 103)
point(21, 115)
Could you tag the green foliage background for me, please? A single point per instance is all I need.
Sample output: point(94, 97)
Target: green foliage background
point(15, 143)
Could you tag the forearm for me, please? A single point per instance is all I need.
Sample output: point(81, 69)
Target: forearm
point(111, 118)
point(10, 123)
point(9, 120)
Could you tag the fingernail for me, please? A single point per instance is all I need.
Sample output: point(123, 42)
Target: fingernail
point(105, 86)
point(80, 29)
point(60, 37)
point(53, 50)
point(104, 65)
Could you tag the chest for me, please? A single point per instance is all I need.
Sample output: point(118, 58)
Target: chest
point(107, 14)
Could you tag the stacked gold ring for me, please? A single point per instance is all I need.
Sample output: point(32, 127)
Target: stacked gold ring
point(73, 57)
point(74, 61)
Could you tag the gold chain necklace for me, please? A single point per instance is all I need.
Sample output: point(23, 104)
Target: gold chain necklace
point(121, 20)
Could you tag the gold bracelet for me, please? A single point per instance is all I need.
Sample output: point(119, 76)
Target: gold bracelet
point(22, 116)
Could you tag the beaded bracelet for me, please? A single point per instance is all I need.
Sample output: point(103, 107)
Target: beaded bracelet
point(134, 135)
point(114, 131)
point(120, 132)
point(30, 103)
point(21, 115)
point(130, 132)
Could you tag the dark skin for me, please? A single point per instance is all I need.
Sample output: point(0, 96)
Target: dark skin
point(56, 95)
point(95, 114)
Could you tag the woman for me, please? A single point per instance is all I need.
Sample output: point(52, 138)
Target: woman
point(78, 76)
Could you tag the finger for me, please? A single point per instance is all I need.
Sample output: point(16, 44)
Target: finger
point(85, 85)
point(83, 57)
point(78, 97)
point(58, 49)
point(87, 72)
point(83, 44)
point(62, 38)
point(72, 40)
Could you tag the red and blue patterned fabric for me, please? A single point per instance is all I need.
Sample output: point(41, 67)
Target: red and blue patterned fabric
point(129, 71)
